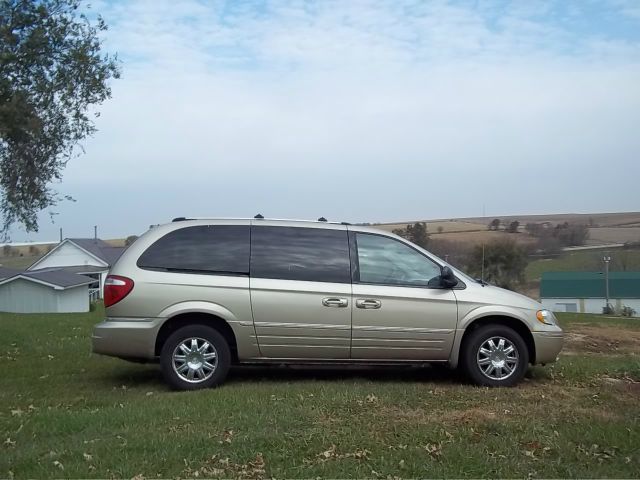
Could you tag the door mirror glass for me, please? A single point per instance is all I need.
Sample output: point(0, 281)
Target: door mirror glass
point(447, 278)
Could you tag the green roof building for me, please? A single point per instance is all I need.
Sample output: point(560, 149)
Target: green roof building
point(585, 291)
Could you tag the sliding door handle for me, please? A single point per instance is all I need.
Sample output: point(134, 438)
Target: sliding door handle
point(335, 302)
point(368, 303)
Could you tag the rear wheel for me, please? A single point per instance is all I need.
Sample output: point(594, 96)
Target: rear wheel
point(495, 356)
point(194, 357)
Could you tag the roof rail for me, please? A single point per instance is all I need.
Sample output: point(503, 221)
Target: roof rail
point(258, 217)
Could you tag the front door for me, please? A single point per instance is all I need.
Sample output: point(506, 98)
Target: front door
point(400, 312)
point(301, 291)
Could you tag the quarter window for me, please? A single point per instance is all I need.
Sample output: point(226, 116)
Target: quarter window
point(297, 253)
point(221, 249)
point(387, 261)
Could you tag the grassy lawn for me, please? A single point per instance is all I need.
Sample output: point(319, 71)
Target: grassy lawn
point(66, 413)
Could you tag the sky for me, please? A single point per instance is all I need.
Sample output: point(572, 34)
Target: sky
point(360, 111)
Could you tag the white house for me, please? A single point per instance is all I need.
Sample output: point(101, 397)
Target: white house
point(44, 292)
point(90, 257)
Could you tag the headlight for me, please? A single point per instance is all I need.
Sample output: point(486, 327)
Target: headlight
point(546, 317)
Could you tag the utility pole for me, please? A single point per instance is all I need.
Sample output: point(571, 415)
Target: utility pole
point(606, 259)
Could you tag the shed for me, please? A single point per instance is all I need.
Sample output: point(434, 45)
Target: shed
point(91, 257)
point(585, 292)
point(45, 292)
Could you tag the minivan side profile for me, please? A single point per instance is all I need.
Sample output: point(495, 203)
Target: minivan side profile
point(199, 295)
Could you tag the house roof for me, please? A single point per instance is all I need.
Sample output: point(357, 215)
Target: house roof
point(95, 247)
point(58, 279)
point(99, 248)
point(8, 272)
point(74, 269)
point(589, 285)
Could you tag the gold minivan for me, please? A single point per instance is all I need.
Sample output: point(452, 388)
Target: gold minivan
point(200, 295)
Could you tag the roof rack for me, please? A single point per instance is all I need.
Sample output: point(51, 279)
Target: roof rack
point(259, 217)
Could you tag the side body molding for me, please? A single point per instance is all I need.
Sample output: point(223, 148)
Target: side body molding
point(243, 328)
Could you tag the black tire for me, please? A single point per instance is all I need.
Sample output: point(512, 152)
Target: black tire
point(470, 356)
point(218, 345)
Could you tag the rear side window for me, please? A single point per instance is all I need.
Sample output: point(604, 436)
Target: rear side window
point(220, 249)
point(296, 253)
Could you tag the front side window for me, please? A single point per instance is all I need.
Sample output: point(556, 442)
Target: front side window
point(221, 249)
point(387, 261)
point(297, 253)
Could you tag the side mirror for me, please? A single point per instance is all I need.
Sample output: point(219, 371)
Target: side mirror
point(447, 278)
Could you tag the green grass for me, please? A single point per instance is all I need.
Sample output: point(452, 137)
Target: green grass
point(18, 262)
point(568, 320)
point(585, 260)
point(67, 413)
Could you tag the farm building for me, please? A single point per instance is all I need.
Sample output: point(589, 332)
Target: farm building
point(90, 257)
point(44, 292)
point(584, 292)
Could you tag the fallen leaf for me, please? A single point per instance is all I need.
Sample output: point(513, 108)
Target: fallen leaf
point(434, 449)
point(227, 436)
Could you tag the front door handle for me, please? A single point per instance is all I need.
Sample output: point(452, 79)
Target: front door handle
point(335, 302)
point(368, 303)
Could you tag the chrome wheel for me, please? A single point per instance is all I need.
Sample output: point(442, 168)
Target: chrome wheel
point(497, 358)
point(194, 360)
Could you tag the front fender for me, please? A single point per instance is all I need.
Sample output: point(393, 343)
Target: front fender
point(477, 313)
point(492, 311)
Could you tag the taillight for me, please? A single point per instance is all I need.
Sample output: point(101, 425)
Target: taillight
point(116, 288)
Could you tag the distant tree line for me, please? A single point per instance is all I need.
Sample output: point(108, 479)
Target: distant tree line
point(416, 233)
point(504, 260)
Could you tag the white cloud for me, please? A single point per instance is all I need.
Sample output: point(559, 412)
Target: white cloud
point(359, 111)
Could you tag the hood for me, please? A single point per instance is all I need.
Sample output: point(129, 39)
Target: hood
point(491, 295)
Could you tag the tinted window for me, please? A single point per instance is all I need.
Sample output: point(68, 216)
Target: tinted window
point(209, 248)
point(292, 253)
point(387, 261)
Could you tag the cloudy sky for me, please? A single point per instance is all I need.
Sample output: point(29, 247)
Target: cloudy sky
point(360, 111)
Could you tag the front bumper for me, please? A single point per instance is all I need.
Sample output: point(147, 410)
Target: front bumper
point(126, 338)
point(548, 345)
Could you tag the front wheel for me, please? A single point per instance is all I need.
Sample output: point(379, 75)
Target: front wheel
point(194, 357)
point(495, 356)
